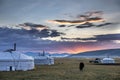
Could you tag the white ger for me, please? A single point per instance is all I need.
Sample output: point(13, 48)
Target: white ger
point(10, 60)
point(43, 59)
point(108, 60)
point(15, 61)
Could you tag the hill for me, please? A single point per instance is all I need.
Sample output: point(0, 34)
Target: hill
point(55, 55)
point(98, 53)
point(61, 55)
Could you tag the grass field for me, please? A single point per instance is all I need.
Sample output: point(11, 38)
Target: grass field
point(66, 69)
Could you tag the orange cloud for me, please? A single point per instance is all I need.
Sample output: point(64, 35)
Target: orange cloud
point(95, 19)
point(66, 22)
point(90, 17)
point(75, 22)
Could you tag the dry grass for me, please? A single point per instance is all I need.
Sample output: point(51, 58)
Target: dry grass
point(66, 69)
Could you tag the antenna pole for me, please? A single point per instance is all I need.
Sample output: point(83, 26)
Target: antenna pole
point(14, 46)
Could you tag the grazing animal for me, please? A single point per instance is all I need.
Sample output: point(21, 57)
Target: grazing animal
point(81, 66)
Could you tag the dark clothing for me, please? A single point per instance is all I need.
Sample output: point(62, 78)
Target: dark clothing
point(81, 66)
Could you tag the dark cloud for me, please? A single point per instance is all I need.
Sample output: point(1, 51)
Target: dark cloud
point(94, 13)
point(88, 15)
point(77, 39)
point(71, 25)
point(64, 38)
point(70, 22)
point(25, 39)
point(67, 21)
point(47, 33)
point(42, 32)
point(62, 25)
point(36, 33)
point(32, 25)
point(82, 16)
point(86, 25)
point(10, 33)
point(55, 33)
point(9, 36)
point(107, 37)
point(85, 20)
point(104, 24)
point(95, 19)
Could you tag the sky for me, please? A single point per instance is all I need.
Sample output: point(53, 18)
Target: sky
point(60, 26)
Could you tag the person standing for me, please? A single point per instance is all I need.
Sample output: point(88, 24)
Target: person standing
point(81, 66)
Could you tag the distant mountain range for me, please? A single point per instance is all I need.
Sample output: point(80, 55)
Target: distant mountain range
point(55, 55)
point(98, 53)
point(89, 54)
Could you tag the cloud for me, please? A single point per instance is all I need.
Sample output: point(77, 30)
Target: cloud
point(62, 25)
point(66, 22)
point(87, 15)
point(90, 17)
point(107, 37)
point(7, 33)
point(105, 24)
point(117, 41)
point(77, 40)
point(76, 22)
point(29, 26)
point(45, 33)
point(86, 25)
point(86, 20)
point(95, 19)
point(26, 39)
point(54, 33)
point(33, 25)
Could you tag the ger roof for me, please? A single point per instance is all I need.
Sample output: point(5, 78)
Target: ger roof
point(14, 55)
point(108, 59)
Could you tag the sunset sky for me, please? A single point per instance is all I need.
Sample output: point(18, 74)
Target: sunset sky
point(60, 26)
